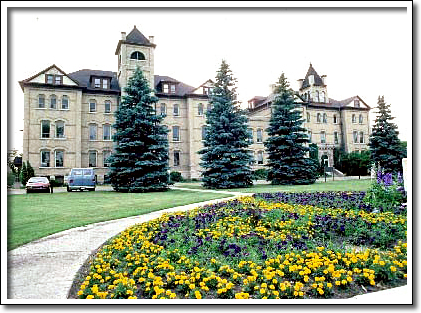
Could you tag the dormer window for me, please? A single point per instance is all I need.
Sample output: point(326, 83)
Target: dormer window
point(356, 103)
point(168, 88)
point(101, 82)
point(165, 88)
point(172, 88)
point(207, 90)
point(54, 79)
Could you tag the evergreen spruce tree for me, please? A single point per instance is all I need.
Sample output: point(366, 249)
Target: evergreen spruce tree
point(225, 158)
point(23, 174)
point(385, 146)
point(286, 143)
point(139, 162)
point(29, 170)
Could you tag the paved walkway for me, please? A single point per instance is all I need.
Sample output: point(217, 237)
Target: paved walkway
point(44, 269)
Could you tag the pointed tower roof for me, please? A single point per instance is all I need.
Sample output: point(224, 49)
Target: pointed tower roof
point(318, 81)
point(135, 37)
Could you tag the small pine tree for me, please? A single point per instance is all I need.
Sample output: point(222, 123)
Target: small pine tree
point(225, 158)
point(29, 170)
point(23, 174)
point(139, 162)
point(385, 146)
point(286, 143)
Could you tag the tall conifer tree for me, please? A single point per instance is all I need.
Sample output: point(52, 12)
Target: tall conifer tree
point(225, 158)
point(139, 162)
point(385, 147)
point(286, 143)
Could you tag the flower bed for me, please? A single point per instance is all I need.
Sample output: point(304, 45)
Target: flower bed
point(252, 249)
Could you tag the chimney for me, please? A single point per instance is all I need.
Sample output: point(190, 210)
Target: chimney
point(272, 88)
point(123, 35)
point(324, 79)
point(300, 83)
point(151, 39)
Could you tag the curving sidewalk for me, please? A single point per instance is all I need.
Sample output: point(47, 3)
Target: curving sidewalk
point(44, 269)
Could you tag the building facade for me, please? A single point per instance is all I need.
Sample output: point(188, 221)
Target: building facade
point(68, 117)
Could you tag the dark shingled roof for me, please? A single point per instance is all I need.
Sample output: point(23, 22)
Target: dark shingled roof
point(136, 37)
point(181, 89)
point(318, 81)
point(83, 77)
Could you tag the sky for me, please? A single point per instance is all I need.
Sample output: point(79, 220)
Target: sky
point(364, 52)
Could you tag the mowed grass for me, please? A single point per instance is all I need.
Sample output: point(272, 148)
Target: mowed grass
point(319, 186)
point(33, 216)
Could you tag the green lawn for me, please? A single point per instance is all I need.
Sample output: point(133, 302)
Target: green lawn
point(337, 185)
point(34, 216)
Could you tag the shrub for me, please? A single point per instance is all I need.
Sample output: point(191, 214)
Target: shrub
point(176, 177)
point(10, 179)
point(261, 173)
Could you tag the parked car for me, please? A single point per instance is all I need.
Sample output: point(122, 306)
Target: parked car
point(81, 179)
point(41, 184)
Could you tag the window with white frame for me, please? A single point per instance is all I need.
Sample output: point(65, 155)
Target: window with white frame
point(176, 160)
point(53, 102)
point(176, 109)
point(259, 157)
point(355, 134)
point(354, 119)
point(105, 156)
point(165, 88)
point(356, 103)
point(323, 136)
point(45, 158)
point(92, 158)
point(107, 106)
point(176, 133)
point(360, 119)
point(92, 105)
point(250, 131)
point(59, 157)
point(106, 131)
point(319, 118)
point(325, 118)
point(361, 137)
point(92, 132)
point(45, 129)
point(163, 109)
point(259, 135)
point(172, 88)
point(336, 137)
point(59, 129)
point(322, 97)
point(65, 103)
point(41, 101)
point(200, 109)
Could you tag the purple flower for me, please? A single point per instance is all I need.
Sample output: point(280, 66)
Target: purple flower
point(379, 177)
point(387, 179)
point(400, 178)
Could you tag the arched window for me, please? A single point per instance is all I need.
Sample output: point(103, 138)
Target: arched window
point(200, 109)
point(361, 137)
point(41, 101)
point(137, 56)
point(361, 119)
point(53, 102)
point(336, 137)
point(105, 155)
point(335, 119)
point(163, 108)
point(354, 119)
point(92, 158)
point(64, 103)
point(59, 129)
point(107, 106)
point(317, 96)
point(92, 132)
point(176, 133)
point(59, 158)
point(45, 158)
point(308, 117)
point(92, 105)
point(176, 110)
point(325, 118)
point(259, 157)
point(176, 158)
point(355, 133)
point(319, 118)
point(259, 135)
point(250, 132)
point(45, 129)
point(106, 131)
point(204, 131)
point(323, 136)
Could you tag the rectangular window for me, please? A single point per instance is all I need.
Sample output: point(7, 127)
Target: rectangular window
point(323, 137)
point(107, 107)
point(259, 135)
point(361, 137)
point(41, 101)
point(361, 119)
point(250, 131)
point(45, 129)
point(354, 119)
point(64, 103)
point(355, 136)
point(106, 132)
point(335, 119)
point(92, 158)
point(356, 103)
point(57, 79)
point(92, 132)
point(59, 129)
point(53, 102)
point(165, 88)
point(176, 133)
point(92, 106)
point(105, 83)
point(106, 154)
point(172, 88)
point(176, 110)
point(200, 109)
point(49, 79)
point(204, 130)
point(260, 157)
point(45, 158)
point(59, 156)
point(163, 109)
point(309, 136)
point(336, 137)
point(97, 82)
point(176, 158)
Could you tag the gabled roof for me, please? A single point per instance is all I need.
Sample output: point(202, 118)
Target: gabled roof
point(318, 81)
point(22, 82)
point(182, 89)
point(83, 78)
point(344, 103)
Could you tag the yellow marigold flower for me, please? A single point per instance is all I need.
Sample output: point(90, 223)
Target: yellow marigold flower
point(132, 297)
point(198, 294)
point(262, 290)
point(192, 286)
point(372, 282)
point(405, 275)
point(80, 292)
point(321, 292)
point(393, 269)
point(329, 285)
point(337, 283)
point(90, 297)
point(263, 285)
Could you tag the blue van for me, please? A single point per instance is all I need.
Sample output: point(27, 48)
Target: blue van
point(81, 179)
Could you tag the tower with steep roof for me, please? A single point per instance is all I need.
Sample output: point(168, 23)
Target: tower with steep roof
point(135, 50)
point(313, 87)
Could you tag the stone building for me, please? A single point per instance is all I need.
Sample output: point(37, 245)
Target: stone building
point(68, 117)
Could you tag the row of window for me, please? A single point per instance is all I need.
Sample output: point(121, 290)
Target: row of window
point(176, 109)
point(60, 133)
point(59, 158)
point(323, 118)
point(358, 137)
point(53, 103)
point(318, 97)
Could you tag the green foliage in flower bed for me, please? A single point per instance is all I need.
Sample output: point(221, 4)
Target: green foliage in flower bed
point(249, 248)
